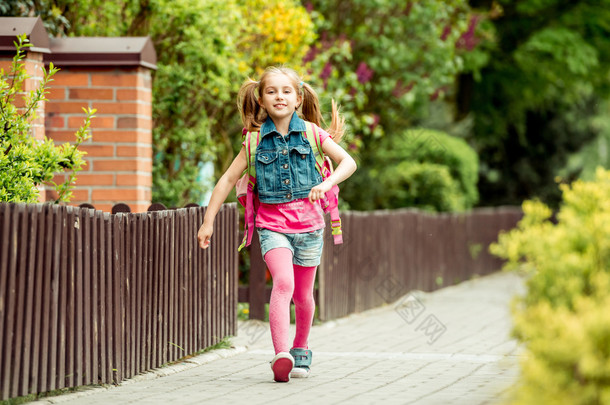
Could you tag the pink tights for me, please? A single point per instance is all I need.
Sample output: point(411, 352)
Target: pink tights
point(289, 281)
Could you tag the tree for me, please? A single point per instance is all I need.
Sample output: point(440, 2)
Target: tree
point(532, 90)
point(401, 54)
point(383, 61)
point(25, 163)
point(205, 50)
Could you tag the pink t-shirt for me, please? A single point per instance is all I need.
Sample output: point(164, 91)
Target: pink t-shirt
point(296, 216)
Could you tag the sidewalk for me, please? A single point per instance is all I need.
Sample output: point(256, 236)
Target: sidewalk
point(451, 346)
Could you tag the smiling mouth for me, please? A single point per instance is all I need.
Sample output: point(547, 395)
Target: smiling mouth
point(280, 105)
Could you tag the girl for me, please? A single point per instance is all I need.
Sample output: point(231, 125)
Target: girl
point(289, 219)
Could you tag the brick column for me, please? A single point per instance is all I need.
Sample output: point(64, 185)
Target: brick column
point(119, 155)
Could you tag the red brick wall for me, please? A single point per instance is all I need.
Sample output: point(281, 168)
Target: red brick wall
point(119, 155)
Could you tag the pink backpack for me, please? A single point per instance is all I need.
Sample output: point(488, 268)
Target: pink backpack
point(248, 198)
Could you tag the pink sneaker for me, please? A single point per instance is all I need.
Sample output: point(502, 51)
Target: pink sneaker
point(282, 365)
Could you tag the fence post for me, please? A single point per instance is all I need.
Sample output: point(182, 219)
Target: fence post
point(257, 287)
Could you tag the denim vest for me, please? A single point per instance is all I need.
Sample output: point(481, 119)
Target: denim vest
point(285, 166)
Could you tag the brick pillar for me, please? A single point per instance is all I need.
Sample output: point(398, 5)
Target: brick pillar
point(119, 154)
point(112, 75)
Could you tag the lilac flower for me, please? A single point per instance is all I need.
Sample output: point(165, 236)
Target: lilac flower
point(376, 119)
point(364, 73)
point(311, 54)
point(326, 71)
point(325, 74)
point(400, 89)
point(446, 32)
point(469, 39)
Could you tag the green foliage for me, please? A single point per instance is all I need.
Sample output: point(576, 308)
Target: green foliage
point(421, 168)
point(25, 163)
point(273, 32)
point(380, 60)
point(205, 50)
point(564, 319)
point(533, 87)
point(401, 53)
point(427, 186)
point(594, 153)
point(196, 78)
point(383, 61)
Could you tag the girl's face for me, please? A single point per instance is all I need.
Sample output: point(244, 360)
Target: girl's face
point(279, 97)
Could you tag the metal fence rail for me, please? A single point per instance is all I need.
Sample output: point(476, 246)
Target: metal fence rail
point(386, 254)
point(90, 297)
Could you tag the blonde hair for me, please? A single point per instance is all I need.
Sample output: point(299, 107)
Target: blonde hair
point(253, 116)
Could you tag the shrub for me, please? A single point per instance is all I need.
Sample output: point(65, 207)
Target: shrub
point(428, 169)
point(26, 163)
point(428, 186)
point(564, 318)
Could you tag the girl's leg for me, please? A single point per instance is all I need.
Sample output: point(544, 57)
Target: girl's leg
point(304, 304)
point(279, 262)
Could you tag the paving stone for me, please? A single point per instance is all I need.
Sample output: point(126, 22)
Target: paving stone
point(458, 350)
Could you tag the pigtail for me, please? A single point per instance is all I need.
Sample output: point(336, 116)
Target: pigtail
point(311, 112)
point(337, 123)
point(249, 108)
point(310, 108)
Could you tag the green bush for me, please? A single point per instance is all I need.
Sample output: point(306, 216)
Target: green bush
point(428, 169)
point(427, 186)
point(26, 163)
point(564, 318)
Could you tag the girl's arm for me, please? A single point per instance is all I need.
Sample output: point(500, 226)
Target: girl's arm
point(346, 167)
point(219, 195)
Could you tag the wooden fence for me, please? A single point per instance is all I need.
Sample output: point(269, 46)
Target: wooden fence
point(386, 254)
point(90, 297)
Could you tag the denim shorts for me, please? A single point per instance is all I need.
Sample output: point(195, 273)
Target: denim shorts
point(306, 247)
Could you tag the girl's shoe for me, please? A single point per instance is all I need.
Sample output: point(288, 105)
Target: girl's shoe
point(302, 361)
point(281, 365)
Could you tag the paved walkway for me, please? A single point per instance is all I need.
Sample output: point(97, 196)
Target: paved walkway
point(451, 346)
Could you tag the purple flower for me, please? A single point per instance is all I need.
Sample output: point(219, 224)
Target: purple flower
point(469, 39)
point(400, 89)
point(325, 74)
point(309, 7)
point(376, 120)
point(311, 54)
point(364, 73)
point(326, 71)
point(446, 32)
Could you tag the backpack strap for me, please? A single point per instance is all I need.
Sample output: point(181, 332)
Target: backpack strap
point(313, 137)
point(251, 204)
point(330, 203)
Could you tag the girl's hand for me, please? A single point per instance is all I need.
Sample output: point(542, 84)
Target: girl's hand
point(204, 235)
point(319, 191)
